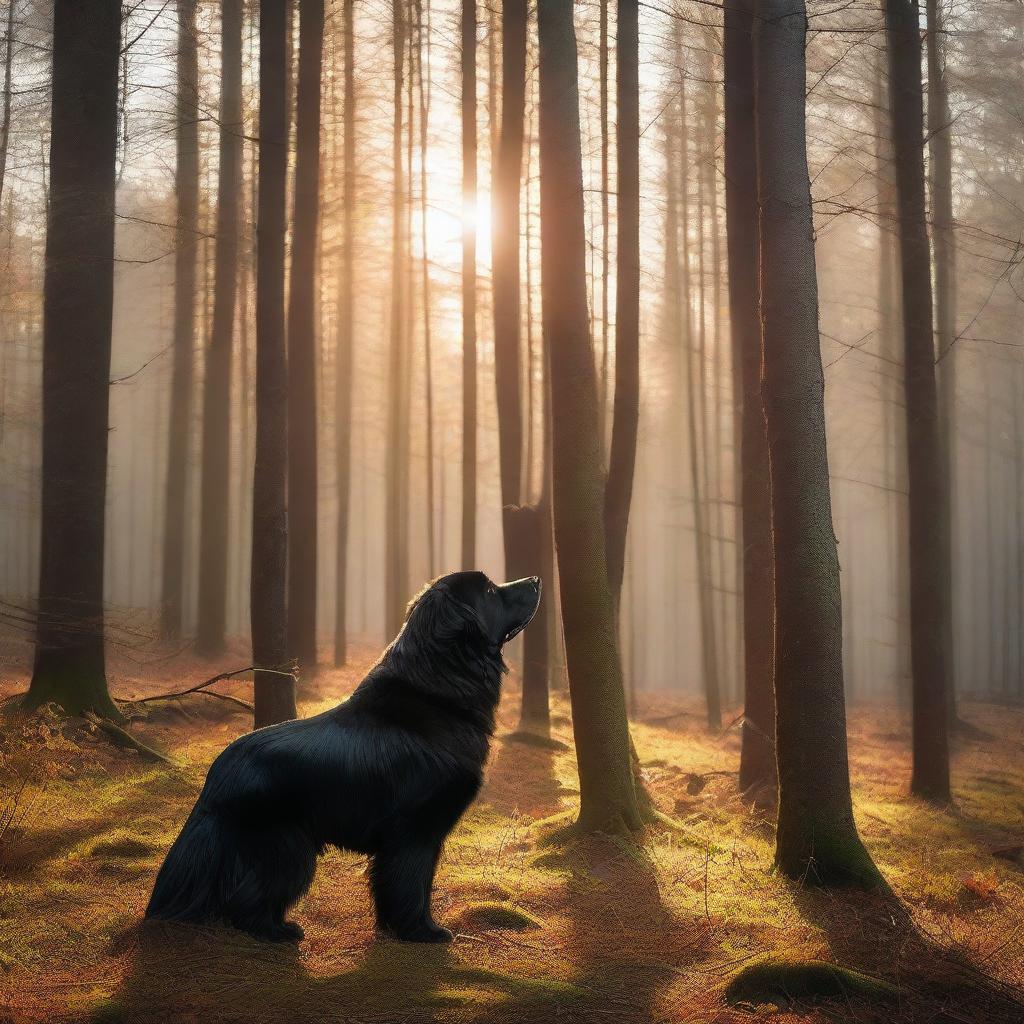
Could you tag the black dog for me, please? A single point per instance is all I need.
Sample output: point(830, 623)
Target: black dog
point(387, 773)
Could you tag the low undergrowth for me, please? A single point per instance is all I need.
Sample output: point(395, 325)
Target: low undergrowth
point(590, 929)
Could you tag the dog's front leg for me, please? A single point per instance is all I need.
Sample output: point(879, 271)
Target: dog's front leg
point(401, 881)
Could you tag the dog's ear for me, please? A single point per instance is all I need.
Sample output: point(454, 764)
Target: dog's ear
point(436, 616)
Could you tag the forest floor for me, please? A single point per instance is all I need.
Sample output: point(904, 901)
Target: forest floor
point(593, 931)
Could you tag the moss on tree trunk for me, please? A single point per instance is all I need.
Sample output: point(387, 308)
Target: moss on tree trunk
point(77, 317)
point(607, 797)
point(75, 680)
point(816, 837)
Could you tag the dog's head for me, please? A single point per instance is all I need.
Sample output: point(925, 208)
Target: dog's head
point(456, 626)
point(468, 607)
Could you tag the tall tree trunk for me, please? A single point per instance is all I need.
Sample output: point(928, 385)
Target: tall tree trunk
point(626, 411)
point(409, 274)
point(346, 320)
point(505, 244)
point(5, 118)
point(246, 381)
point(216, 454)
point(757, 752)
point(468, 26)
point(302, 344)
point(889, 314)
point(816, 837)
point(672, 312)
point(186, 187)
point(396, 560)
point(274, 692)
point(521, 521)
point(727, 639)
point(550, 653)
point(940, 151)
point(695, 419)
point(423, 84)
point(928, 494)
point(602, 72)
point(607, 797)
point(78, 296)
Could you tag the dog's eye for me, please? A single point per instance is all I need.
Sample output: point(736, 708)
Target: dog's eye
point(492, 589)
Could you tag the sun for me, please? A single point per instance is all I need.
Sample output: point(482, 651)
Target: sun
point(477, 217)
point(445, 224)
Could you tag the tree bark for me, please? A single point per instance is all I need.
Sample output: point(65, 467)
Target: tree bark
point(346, 321)
point(5, 119)
point(607, 797)
point(302, 344)
point(216, 453)
point(274, 694)
point(78, 289)
point(890, 346)
point(757, 752)
point(505, 243)
point(397, 556)
point(186, 187)
point(928, 493)
point(468, 27)
point(521, 521)
point(728, 639)
point(626, 409)
point(695, 418)
point(940, 150)
point(423, 84)
point(816, 836)
point(602, 74)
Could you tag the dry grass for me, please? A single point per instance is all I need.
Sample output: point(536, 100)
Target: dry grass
point(621, 934)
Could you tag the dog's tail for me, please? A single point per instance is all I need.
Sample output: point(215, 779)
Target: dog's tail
point(191, 884)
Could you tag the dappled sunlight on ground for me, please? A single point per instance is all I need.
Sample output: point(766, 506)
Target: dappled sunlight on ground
point(593, 931)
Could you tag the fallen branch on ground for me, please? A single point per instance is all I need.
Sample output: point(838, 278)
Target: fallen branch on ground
point(202, 688)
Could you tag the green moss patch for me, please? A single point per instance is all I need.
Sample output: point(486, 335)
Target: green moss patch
point(780, 981)
point(492, 914)
point(121, 844)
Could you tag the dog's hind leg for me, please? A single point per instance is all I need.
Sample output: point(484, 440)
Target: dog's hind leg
point(401, 880)
point(278, 870)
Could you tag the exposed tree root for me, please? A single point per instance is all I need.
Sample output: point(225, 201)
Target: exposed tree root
point(123, 738)
point(666, 821)
point(569, 827)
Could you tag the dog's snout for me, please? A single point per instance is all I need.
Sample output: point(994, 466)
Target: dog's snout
point(526, 581)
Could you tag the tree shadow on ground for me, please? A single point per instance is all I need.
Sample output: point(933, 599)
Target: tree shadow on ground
point(612, 948)
point(520, 778)
point(181, 973)
point(622, 947)
point(29, 847)
point(879, 937)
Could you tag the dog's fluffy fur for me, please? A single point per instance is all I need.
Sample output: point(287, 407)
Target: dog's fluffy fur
point(387, 773)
